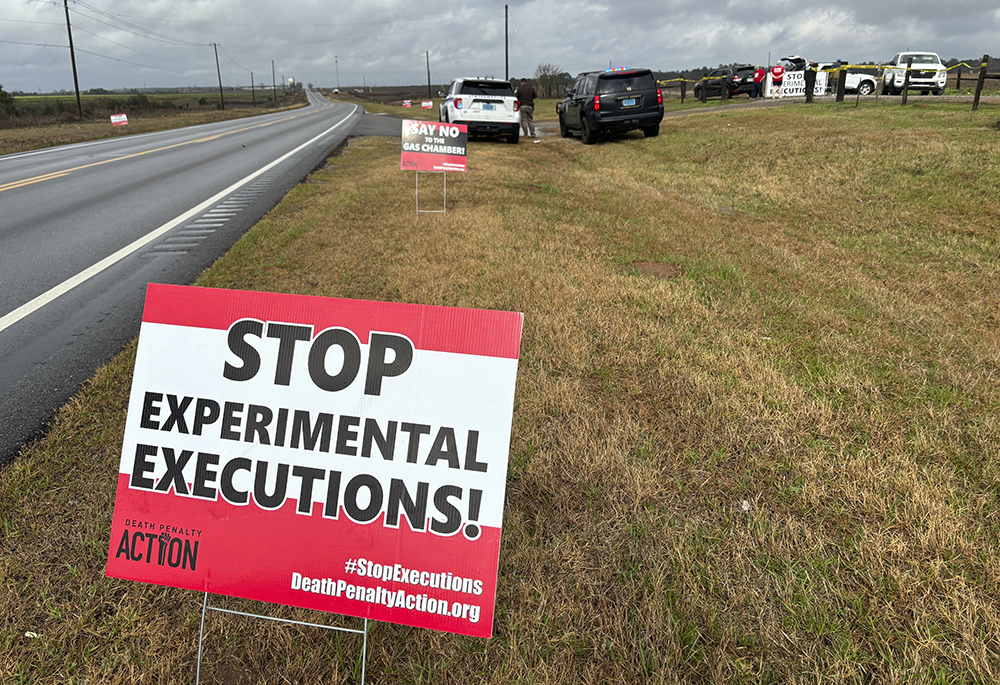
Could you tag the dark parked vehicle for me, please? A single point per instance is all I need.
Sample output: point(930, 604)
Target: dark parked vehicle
point(615, 100)
point(738, 79)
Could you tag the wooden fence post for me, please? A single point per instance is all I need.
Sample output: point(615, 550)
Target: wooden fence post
point(958, 77)
point(906, 80)
point(841, 80)
point(980, 82)
point(684, 89)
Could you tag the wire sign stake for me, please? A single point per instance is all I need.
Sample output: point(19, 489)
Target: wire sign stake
point(205, 606)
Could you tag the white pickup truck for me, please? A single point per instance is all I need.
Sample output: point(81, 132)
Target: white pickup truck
point(927, 73)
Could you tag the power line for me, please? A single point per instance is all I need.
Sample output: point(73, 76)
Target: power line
point(132, 28)
point(127, 47)
point(519, 40)
point(232, 60)
point(26, 21)
point(310, 25)
point(125, 61)
point(37, 45)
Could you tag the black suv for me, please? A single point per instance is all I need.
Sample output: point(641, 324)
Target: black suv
point(618, 100)
point(738, 79)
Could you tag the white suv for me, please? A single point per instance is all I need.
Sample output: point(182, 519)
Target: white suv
point(486, 106)
point(928, 74)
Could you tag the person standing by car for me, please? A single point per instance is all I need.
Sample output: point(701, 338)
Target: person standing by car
point(758, 83)
point(777, 78)
point(526, 99)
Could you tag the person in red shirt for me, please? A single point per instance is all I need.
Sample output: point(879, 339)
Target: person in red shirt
point(758, 83)
point(777, 77)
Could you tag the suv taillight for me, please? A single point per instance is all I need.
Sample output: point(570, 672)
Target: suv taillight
point(659, 96)
point(517, 106)
point(597, 103)
point(458, 103)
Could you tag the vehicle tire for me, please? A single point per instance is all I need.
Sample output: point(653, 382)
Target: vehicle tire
point(563, 128)
point(651, 131)
point(444, 117)
point(925, 92)
point(885, 89)
point(514, 137)
point(939, 91)
point(697, 93)
point(866, 88)
point(587, 135)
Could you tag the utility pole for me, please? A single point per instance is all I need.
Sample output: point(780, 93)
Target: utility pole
point(72, 57)
point(253, 93)
point(219, 72)
point(506, 44)
point(429, 96)
point(336, 64)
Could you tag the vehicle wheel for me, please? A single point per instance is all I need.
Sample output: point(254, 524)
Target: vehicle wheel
point(563, 128)
point(885, 89)
point(514, 137)
point(586, 134)
point(866, 88)
point(697, 93)
point(925, 92)
point(939, 91)
point(651, 131)
point(443, 117)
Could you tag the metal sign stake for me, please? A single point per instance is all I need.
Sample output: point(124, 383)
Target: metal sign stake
point(444, 209)
point(201, 632)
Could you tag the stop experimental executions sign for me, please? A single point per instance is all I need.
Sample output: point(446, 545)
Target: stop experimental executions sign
point(339, 455)
point(434, 146)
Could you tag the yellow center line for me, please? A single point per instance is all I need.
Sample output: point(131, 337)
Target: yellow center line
point(66, 172)
point(29, 181)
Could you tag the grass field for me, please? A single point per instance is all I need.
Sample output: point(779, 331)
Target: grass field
point(756, 429)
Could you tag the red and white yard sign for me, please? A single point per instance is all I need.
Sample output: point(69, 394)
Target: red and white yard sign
point(427, 104)
point(338, 455)
point(433, 146)
point(119, 119)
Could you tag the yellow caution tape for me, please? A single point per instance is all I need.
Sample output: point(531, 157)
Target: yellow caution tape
point(830, 70)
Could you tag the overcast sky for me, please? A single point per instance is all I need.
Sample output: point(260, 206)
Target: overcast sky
point(136, 43)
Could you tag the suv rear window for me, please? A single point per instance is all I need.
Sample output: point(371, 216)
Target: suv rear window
point(487, 88)
point(623, 83)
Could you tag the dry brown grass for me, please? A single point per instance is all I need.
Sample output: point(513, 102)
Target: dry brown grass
point(755, 434)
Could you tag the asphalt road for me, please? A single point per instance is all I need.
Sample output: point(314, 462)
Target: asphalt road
point(84, 228)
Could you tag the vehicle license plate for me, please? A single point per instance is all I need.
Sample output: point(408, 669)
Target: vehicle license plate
point(629, 102)
point(488, 107)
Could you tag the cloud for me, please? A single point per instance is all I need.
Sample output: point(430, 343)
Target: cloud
point(129, 43)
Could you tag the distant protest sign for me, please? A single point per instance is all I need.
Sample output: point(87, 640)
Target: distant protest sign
point(338, 455)
point(119, 119)
point(434, 146)
point(427, 104)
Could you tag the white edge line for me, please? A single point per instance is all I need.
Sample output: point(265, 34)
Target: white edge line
point(45, 298)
